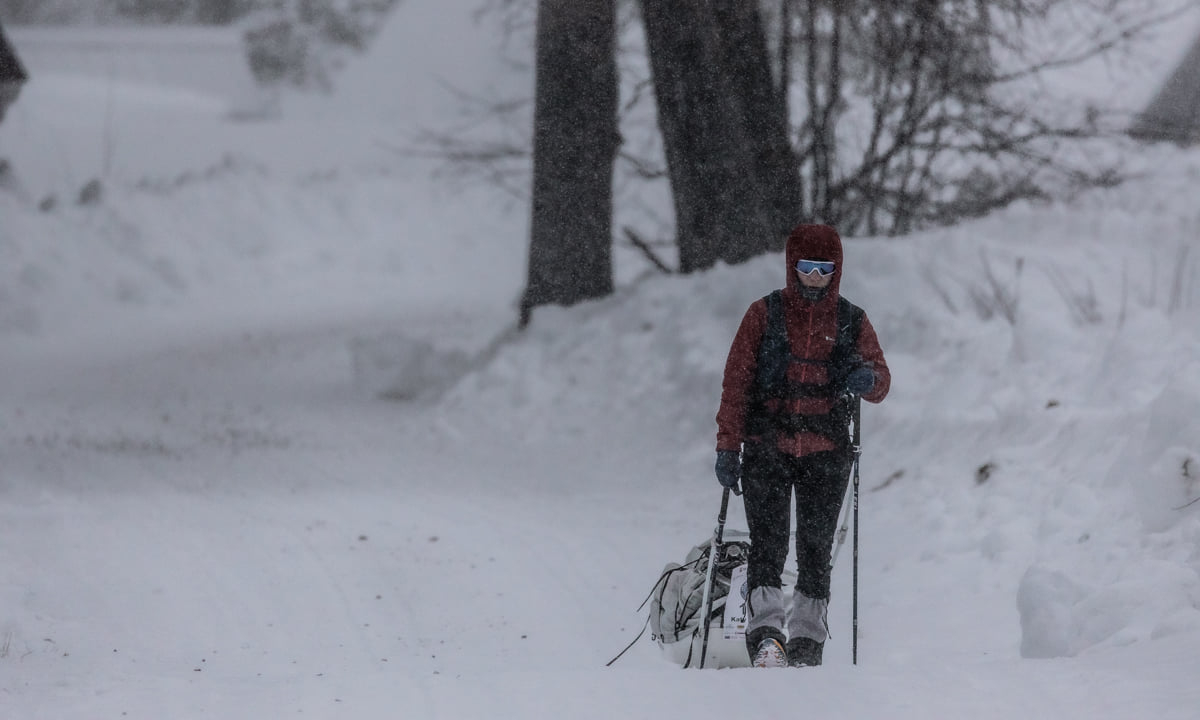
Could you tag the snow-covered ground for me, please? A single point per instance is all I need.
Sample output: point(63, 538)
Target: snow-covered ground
point(207, 511)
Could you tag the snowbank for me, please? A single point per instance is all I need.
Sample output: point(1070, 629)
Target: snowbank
point(1042, 405)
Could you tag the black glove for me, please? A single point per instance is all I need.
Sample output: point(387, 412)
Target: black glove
point(729, 468)
point(860, 381)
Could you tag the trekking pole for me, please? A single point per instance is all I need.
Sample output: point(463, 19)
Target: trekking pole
point(857, 453)
point(843, 528)
point(713, 550)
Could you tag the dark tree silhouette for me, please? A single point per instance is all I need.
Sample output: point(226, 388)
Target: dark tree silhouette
point(725, 129)
point(575, 141)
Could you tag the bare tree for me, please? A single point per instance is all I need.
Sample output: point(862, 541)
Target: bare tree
point(575, 140)
point(724, 127)
point(879, 116)
point(908, 123)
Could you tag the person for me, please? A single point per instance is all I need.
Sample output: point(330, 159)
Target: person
point(796, 361)
point(12, 75)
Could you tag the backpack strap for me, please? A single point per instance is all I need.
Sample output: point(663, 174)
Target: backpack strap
point(774, 357)
point(849, 326)
point(774, 348)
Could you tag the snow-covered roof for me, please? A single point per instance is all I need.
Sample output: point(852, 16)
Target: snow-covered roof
point(203, 61)
point(1174, 112)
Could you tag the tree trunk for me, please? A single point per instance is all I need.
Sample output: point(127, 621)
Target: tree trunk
point(725, 131)
point(216, 12)
point(575, 140)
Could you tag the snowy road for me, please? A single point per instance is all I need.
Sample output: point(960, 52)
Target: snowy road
point(221, 527)
point(232, 508)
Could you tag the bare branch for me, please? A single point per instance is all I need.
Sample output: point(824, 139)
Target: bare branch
point(642, 245)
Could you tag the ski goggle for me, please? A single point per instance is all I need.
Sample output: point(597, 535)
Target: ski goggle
point(824, 268)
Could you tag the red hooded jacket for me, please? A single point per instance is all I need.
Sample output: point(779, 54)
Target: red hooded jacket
point(812, 333)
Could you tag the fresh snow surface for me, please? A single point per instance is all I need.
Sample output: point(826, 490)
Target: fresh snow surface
point(207, 510)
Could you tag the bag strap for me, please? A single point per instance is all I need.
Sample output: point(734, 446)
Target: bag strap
point(639, 637)
point(849, 326)
point(657, 585)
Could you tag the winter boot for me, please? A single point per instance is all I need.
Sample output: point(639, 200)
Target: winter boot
point(804, 652)
point(770, 654)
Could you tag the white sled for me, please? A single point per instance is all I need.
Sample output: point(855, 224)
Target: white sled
point(722, 652)
point(727, 624)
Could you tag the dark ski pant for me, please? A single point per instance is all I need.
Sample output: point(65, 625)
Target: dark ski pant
point(770, 480)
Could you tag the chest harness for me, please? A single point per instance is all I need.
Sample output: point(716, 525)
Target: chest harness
point(770, 420)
